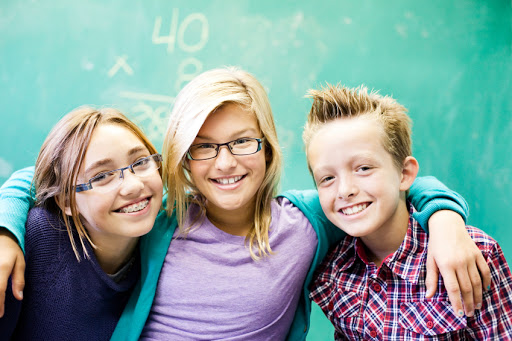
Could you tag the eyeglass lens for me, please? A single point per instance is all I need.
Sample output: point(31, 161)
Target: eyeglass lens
point(243, 146)
point(108, 181)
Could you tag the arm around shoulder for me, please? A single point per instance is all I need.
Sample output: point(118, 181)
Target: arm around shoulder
point(16, 198)
point(429, 195)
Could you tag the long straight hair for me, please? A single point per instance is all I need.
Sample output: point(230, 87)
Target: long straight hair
point(202, 96)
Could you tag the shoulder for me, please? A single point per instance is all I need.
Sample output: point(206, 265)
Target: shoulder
point(45, 232)
point(306, 202)
point(485, 243)
point(42, 221)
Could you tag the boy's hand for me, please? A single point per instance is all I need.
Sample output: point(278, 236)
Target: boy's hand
point(452, 252)
point(12, 263)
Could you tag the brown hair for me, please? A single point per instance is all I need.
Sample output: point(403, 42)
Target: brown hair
point(60, 160)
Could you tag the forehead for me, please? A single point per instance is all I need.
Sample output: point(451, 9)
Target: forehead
point(344, 139)
point(228, 121)
point(112, 141)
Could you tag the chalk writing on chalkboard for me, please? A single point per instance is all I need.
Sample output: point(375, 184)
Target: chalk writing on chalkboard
point(120, 64)
point(152, 110)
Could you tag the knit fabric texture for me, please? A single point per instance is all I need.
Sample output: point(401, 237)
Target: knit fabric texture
point(64, 299)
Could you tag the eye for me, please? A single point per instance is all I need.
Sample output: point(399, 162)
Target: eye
point(364, 168)
point(325, 180)
point(241, 140)
point(102, 177)
point(141, 162)
point(205, 146)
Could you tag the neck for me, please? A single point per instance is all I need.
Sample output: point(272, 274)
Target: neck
point(389, 237)
point(236, 222)
point(112, 255)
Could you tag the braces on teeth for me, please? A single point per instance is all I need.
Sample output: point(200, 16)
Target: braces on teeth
point(135, 207)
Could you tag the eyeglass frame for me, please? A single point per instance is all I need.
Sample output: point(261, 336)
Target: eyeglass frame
point(88, 185)
point(218, 145)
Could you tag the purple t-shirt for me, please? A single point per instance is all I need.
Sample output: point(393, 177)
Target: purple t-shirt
point(210, 287)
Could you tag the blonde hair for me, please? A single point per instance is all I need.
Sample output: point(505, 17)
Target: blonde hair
point(338, 102)
point(202, 96)
point(60, 159)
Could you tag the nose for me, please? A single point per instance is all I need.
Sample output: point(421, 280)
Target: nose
point(131, 183)
point(347, 187)
point(225, 160)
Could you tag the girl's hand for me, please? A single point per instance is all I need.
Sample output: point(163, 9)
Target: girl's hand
point(12, 263)
point(452, 252)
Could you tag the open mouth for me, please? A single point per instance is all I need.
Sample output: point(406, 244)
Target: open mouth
point(354, 209)
point(138, 206)
point(229, 181)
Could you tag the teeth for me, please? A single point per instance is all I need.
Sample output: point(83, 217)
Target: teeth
point(227, 181)
point(135, 207)
point(354, 209)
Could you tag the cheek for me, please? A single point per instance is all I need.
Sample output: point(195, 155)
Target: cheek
point(196, 171)
point(156, 183)
point(326, 201)
point(94, 206)
point(258, 165)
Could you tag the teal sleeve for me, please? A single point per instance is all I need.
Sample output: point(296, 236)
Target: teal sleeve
point(153, 249)
point(428, 195)
point(16, 199)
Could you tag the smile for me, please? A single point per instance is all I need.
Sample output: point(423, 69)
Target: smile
point(139, 206)
point(354, 209)
point(228, 181)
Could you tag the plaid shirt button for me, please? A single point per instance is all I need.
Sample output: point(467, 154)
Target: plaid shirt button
point(373, 333)
point(430, 324)
point(376, 287)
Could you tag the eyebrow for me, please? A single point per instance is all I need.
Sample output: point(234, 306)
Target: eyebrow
point(107, 161)
point(237, 134)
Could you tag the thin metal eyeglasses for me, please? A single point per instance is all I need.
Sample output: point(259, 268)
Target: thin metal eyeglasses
point(240, 146)
point(108, 181)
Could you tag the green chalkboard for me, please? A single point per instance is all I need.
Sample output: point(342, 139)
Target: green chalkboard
point(449, 62)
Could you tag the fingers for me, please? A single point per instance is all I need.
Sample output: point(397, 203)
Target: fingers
point(476, 284)
point(18, 278)
point(2, 300)
point(432, 277)
point(5, 272)
point(466, 291)
point(451, 283)
point(484, 271)
point(12, 262)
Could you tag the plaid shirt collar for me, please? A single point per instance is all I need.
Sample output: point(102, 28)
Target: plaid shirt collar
point(402, 262)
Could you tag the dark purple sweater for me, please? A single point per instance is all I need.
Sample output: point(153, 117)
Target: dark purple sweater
point(63, 299)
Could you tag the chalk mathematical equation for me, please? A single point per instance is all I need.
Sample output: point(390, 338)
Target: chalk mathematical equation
point(152, 110)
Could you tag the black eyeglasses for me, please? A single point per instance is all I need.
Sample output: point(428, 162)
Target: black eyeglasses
point(240, 146)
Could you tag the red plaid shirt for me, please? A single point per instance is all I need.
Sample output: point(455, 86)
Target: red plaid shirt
point(388, 303)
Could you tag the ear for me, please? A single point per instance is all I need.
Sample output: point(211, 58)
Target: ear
point(410, 169)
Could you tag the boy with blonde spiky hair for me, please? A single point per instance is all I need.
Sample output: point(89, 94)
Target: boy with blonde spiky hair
point(372, 285)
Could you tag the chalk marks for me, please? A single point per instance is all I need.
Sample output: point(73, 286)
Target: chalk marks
point(151, 111)
point(177, 32)
point(153, 118)
point(195, 42)
point(120, 64)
